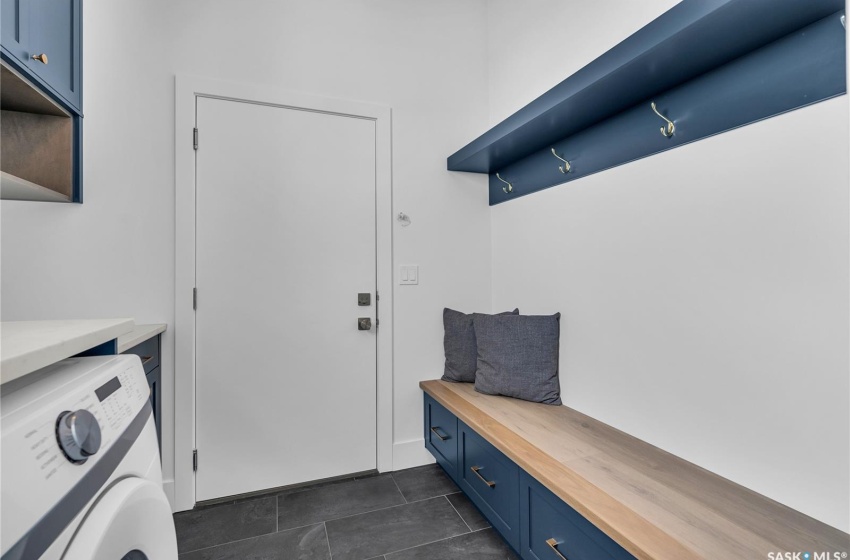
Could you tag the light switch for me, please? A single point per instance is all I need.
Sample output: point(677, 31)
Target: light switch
point(409, 274)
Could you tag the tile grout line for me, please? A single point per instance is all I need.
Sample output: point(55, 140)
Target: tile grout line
point(328, 540)
point(458, 513)
point(223, 544)
point(251, 537)
point(434, 542)
point(387, 507)
point(380, 509)
point(403, 497)
point(437, 496)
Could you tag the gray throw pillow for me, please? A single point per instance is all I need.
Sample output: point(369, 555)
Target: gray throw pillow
point(460, 347)
point(518, 356)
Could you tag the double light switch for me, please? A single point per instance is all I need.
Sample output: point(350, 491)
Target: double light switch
point(408, 274)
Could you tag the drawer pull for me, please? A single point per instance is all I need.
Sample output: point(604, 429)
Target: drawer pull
point(436, 433)
point(553, 544)
point(42, 58)
point(146, 359)
point(489, 483)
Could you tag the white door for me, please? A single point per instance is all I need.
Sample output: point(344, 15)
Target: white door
point(285, 241)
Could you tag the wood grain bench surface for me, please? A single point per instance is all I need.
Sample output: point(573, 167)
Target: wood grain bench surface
point(654, 504)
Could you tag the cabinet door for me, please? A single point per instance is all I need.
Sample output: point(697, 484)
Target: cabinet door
point(14, 27)
point(552, 530)
point(491, 480)
point(55, 29)
point(441, 435)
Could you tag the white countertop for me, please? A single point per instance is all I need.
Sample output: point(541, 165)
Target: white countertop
point(139, 334)
point(26, 346)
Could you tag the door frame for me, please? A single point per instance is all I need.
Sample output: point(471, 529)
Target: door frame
point(187, 90)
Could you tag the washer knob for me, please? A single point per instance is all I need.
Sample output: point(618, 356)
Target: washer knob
point(78, 434)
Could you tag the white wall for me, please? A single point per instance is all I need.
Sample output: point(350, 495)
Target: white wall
point(114, 255)
point(704, 290)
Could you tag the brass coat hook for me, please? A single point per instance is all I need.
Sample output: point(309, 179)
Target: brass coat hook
point(508, 187)
point(566, 167)
point(668, 129)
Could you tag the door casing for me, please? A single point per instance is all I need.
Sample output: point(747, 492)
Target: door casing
point(187, 88)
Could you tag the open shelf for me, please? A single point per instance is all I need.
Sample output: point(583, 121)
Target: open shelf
point(694, 39)
point(36, 143)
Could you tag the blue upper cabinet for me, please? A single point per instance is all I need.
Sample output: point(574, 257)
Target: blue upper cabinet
point(43, 40)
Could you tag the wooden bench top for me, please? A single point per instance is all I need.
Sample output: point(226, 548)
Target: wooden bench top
point(654, 504)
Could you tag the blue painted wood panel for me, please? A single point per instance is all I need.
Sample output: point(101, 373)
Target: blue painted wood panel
point(694, 37)
point(53, 28)
point(799, 69)
point(498, 502)
point(155, 384)
point(545, 516)
point(108, 348)
point(441, 431)
point(14, 27)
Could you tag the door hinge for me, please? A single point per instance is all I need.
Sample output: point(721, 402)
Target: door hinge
point(194, 460)
point(195, 298)
point(195, 138)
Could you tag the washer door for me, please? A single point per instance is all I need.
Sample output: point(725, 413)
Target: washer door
point(132, 520)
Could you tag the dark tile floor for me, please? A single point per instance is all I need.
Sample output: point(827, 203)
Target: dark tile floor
point(415, 514)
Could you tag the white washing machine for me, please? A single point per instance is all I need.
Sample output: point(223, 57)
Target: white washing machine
point(81, 476)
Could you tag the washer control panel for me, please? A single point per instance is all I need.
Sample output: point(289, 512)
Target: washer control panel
point(58, 426)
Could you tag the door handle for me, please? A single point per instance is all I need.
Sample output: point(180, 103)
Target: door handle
point(42, 58)
point(364, 324)
point(436, 433)
point(553, 544)
point(489, 483)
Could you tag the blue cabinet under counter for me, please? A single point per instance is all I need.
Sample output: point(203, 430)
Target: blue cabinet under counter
point(524, 512)
point(556, 484)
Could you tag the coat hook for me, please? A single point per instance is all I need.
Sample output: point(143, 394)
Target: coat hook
point(669, 128)
point(508, 188)
point(566, 167)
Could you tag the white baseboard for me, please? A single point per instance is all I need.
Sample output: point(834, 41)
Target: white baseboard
point(407, 454)
point(168, 488)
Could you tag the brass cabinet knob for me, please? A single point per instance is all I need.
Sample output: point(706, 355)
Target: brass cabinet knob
point(40, 57)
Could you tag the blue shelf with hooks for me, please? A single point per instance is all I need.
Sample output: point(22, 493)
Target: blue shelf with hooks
point(701, 68)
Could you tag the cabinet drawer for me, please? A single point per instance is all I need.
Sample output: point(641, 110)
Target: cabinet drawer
point(441, 435)
point(148, 351)
point(491, 481)
point(552, 530)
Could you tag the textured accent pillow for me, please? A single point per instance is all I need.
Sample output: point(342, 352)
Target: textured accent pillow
point(460, 347)
point(518, 356)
